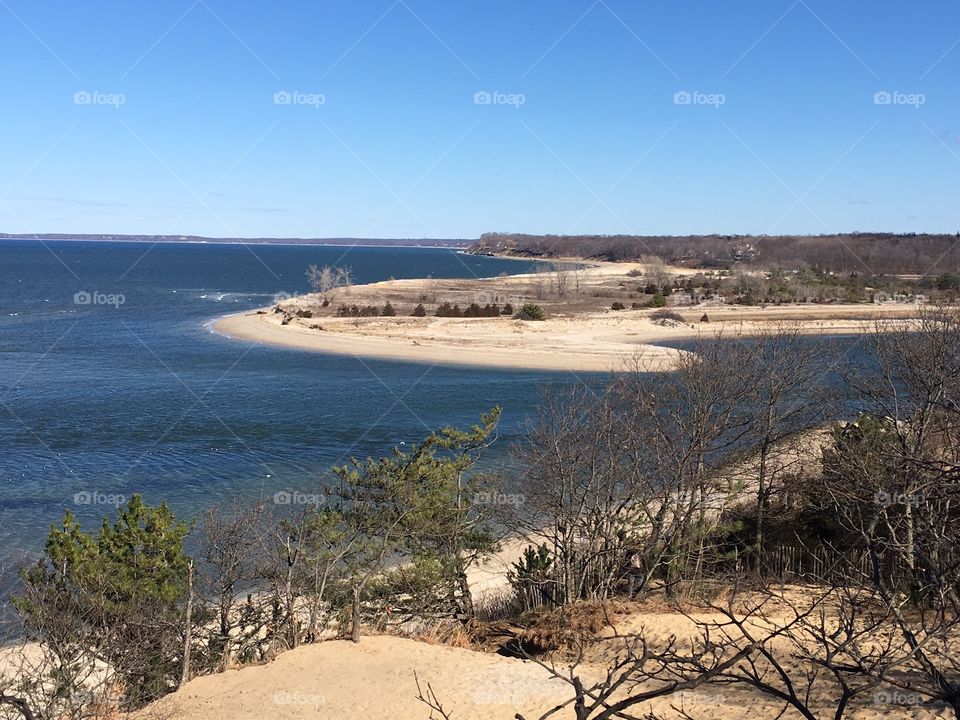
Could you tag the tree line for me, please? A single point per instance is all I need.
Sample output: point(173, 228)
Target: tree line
point(863, 253)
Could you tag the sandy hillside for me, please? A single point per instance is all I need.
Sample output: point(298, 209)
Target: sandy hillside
point(370, 680)
point(375, 679)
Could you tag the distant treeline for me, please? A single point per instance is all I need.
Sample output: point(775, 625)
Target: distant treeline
point(862, 253)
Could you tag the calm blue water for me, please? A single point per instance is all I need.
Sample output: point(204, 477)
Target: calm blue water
point(143, 398)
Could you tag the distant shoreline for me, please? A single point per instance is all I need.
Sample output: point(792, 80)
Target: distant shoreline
point(452, 244)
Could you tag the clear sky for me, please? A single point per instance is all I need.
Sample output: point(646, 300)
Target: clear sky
point(443, 118)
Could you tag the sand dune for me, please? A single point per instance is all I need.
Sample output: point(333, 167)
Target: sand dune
point(375, 680)
point(370, 680)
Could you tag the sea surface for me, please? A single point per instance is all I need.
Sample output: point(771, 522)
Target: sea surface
point(111, 382)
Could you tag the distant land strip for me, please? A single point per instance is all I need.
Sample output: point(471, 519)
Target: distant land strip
point(398, 242)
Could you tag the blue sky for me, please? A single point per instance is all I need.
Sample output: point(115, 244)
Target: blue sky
point(369, 118)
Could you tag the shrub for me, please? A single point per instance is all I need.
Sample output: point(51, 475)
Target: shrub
point(650, 289)
point(419, 311)
point(448, 310)
point(388, 310)
point(636, 272)
point(487, 310)
point(666, 315)
point(618, 306)
point(507, 309)
point(530, 312)
point(704, 318)
point(130, 578)
point(658, 301)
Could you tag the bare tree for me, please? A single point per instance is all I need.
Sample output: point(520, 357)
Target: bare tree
point(229, 546)
point(325, 279)
point(823, 653)
point(786, 371)
point(630, 470)
point(892, 484)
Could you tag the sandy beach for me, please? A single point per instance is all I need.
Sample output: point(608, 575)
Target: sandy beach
point(581, 332)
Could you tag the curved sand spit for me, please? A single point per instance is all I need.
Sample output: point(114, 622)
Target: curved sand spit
point(582, 332)
point(596, 342)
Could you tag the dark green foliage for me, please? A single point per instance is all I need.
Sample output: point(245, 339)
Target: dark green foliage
point(658, 301)
point(948, 281)
point(488, 310)
point(447, 310)
point(419, 311)
point(118, 594)
point(356, 311)
point(418, 504)
point(530, 312)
